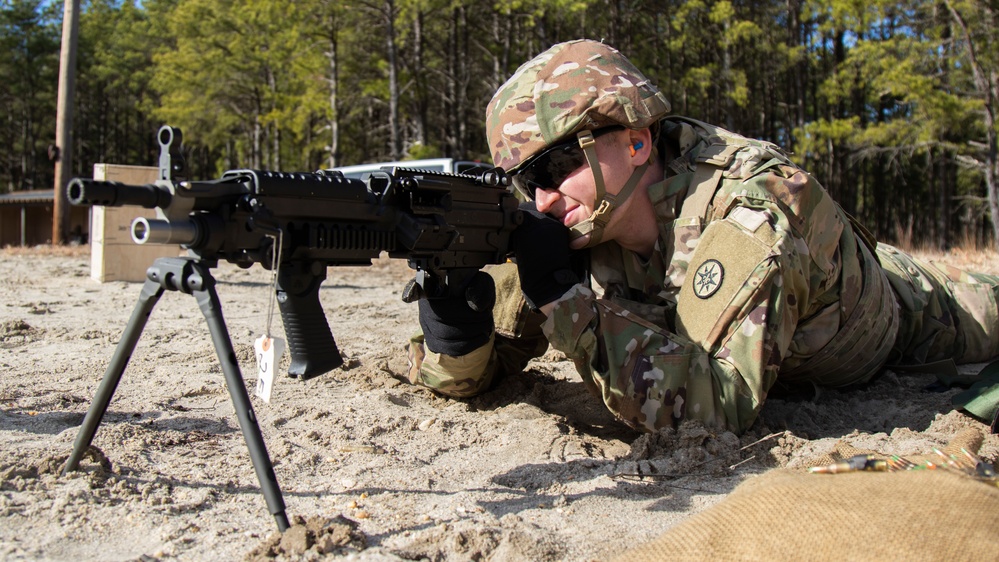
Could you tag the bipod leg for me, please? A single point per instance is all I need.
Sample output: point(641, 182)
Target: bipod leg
point(192, 277)
point(152, 290)
point(208, 301)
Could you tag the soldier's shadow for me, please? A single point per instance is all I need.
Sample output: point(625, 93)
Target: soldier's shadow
point(890, 401)
point(568, 400)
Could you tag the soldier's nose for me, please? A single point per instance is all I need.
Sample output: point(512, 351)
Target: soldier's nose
point(545, 198)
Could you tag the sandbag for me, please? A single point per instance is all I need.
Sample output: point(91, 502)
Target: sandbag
point(788, 514)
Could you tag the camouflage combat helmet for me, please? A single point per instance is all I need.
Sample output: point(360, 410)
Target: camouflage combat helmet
point(570, 90)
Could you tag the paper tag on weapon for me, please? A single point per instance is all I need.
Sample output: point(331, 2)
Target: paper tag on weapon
point(269, 352)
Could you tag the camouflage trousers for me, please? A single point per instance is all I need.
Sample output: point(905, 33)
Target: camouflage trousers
point(944, 313)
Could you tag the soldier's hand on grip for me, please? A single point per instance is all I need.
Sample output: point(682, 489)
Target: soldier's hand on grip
point(461, 321)
point(541, 246)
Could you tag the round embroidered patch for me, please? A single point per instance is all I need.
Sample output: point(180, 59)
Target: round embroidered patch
point(708, 278)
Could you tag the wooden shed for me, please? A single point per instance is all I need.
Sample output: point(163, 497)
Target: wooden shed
point(26, 219)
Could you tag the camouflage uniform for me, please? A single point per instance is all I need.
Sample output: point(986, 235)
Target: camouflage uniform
point(757, 276)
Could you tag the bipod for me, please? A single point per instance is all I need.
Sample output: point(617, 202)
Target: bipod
point(192, 276)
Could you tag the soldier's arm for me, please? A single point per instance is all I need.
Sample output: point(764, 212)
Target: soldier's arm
point(517, 340)
point(718, 361)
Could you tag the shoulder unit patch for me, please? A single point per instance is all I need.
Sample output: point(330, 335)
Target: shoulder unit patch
point(708, 278)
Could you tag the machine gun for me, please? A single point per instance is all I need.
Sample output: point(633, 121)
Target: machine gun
point(448, 226)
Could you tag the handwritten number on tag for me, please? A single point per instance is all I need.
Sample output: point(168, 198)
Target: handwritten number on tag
point(269, 352)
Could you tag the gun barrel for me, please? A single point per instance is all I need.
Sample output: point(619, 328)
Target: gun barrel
point(82, 191)
point(154, 231)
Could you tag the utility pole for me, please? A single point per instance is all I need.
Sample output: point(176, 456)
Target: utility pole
point(64, 119)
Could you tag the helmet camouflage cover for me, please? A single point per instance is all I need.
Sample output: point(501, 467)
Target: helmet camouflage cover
point(573, 86)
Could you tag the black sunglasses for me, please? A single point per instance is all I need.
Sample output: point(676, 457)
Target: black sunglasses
point(549, 169)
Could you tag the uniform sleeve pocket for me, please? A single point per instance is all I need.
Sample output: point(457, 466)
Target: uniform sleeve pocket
point(721, 276)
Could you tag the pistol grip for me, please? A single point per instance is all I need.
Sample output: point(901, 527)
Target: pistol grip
point(313, 350)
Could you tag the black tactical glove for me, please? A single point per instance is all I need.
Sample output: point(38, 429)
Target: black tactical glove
point(461, 321)
point(541, 245)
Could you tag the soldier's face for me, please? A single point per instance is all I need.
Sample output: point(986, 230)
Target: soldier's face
point(574, 200)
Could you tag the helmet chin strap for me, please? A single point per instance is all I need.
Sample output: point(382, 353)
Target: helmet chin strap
point(606, 202)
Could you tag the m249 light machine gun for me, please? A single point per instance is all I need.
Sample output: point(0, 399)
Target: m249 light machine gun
point(447, 226)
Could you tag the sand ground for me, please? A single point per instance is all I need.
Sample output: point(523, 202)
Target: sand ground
point(533, 470)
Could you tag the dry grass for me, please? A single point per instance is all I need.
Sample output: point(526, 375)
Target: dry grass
point(981, 261)
point(968, 253)
point(73, 250)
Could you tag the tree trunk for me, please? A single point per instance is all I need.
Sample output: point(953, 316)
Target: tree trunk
point(461, 99)
point(64, 120)
point(395, 129)
point(987, 84)
point(275, 159)
point(422, 101)
point(255, 157)
point(332, 56)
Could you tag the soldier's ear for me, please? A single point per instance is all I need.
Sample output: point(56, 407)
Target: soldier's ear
point(637, 140)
